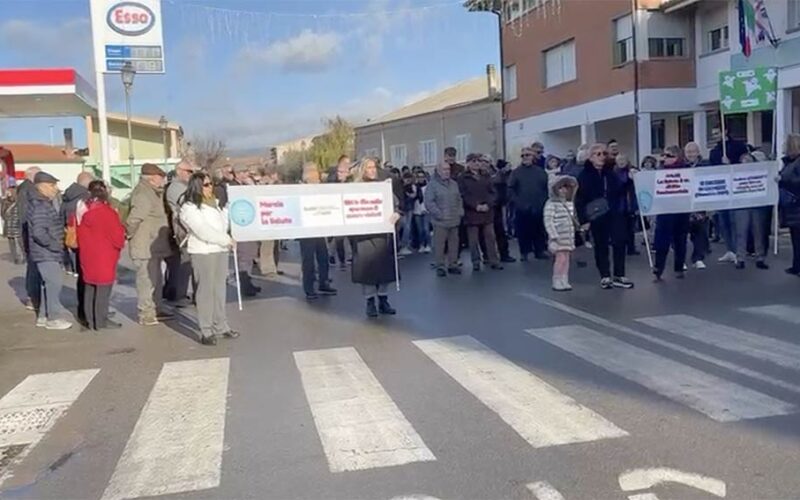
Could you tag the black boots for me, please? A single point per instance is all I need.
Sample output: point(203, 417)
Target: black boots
point(384, 307)
point(248, 288)
point(372, 311)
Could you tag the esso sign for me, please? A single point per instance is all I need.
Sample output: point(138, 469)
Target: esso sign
point(130, 18)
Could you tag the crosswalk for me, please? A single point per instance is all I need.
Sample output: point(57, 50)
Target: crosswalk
point(178, 444)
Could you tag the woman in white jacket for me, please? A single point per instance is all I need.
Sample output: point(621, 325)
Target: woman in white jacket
point(208, 246)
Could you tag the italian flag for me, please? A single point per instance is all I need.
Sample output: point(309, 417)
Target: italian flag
point(747, 26)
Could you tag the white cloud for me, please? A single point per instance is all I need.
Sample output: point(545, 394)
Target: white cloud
point(306, 52)
point(65, 43)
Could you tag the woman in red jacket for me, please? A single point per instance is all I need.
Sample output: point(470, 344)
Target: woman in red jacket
point(101, 237)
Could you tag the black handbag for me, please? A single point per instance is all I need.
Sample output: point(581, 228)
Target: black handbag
point(599, 207)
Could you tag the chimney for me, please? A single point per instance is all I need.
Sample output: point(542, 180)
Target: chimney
point(69, 146)
point(491, 81)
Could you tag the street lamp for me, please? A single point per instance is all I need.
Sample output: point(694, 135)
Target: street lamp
point(128, 74)
point(164, 124)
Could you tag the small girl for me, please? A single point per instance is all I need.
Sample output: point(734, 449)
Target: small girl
point(559, 220)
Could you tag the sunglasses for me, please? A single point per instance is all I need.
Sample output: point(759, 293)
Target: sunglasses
point(669, 156)
point(207, 184)
point(527, 155)
point(601, 153)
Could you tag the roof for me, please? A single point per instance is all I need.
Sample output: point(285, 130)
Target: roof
point(460, 94)
point(140, 120)
point(44, 92)
point(41, 153)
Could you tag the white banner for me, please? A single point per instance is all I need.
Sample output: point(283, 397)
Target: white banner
point(723, 187)
point(310, 210)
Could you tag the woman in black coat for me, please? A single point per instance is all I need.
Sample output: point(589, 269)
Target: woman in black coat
point(373, 256)
point(789, 182)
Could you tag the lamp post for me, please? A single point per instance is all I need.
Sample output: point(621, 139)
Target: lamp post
point(164, 124)
point(128, 74)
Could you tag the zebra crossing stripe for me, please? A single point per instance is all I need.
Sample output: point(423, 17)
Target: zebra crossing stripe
point(542, 490)
point(33, 407)
point(359, 425)
point(718, 398)
point(776, 351)
point(176, 445)
point(539, 413)
point(789, 314)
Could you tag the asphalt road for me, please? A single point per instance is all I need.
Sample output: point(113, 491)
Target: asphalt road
point(484, 386)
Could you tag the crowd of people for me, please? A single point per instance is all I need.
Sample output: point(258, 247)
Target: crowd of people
point(552, 206)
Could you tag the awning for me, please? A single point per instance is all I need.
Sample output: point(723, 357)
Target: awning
point(27, 93)
point(674, 5)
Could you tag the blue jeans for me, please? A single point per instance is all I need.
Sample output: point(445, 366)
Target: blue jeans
point(406, 224)
point(423, 226)
point(727, 228)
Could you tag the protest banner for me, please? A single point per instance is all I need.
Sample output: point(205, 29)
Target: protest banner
point(279, 212)
point(723, 187)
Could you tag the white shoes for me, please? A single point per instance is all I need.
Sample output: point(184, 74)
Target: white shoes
point(728, 257)
point(699, 265)
point(41, 322)
point(57, 324)
point(425, 249)
point(561, 285)
point(405, 251)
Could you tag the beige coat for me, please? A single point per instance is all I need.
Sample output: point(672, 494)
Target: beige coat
point(147, 227)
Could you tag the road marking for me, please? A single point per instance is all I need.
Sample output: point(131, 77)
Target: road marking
point(789, 314)
point(643, 496)
point(670, 345)
point(758, 346)
point(34, 406)
point(176, 445)
point(642, 479)
point(358, 423)
point(716, 397)
point(542, 490)
point(539, 413)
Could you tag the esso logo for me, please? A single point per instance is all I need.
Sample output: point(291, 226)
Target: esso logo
point(130, 18)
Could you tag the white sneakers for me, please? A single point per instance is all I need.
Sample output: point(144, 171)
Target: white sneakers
point(41, 322)
point(405, 251)
point(700, 265)
point(728, 257)
point(53, 324)
point(561, 285)
point(425, 249)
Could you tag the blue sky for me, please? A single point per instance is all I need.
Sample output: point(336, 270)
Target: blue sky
point(258, 72)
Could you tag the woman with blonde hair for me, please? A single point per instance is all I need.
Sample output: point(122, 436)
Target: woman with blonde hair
point(373, 255)
point(789, 183)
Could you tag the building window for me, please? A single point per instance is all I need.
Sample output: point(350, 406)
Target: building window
point(685, 129)
point(657, 136)
point(666, 47)
point(398, 154)
point(718, 39)
point(623, 40)
point(427, 153)
point(560, 64)
point(510, 82)
point(793, 20)
point(462, 147)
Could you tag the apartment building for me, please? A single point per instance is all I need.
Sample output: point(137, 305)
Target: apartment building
point(570, 77)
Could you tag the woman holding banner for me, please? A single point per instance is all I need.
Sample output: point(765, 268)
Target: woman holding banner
point(208, 245)
point(671, 229)
point(374, 260)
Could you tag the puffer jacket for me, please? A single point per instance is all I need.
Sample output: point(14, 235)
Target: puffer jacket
point(207, 226)
point(559, 214)
point(444, 203)
point(146, 225)
point(45, 229)
point(12, 228)
point(789, 182)
point(477, 189)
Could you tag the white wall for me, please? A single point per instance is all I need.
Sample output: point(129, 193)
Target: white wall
point(66, 173)
point(621, 129)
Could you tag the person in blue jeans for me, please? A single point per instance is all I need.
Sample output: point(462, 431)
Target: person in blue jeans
point(422, 221)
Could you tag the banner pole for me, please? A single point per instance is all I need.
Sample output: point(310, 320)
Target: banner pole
point(236, 272)
point(775, 139)
point(723, 138)
point(646, 240)
point(776, 226)
point(396, 262)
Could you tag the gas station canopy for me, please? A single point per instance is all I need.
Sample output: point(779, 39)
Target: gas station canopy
point(30, 93)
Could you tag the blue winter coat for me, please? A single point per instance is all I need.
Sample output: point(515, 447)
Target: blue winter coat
point(45, 229)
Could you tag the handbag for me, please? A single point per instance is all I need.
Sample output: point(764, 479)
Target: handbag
point(580, 237)
point(71, 234)
point(599, 207)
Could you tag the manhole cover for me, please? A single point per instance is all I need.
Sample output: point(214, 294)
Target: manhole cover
point(36, 419)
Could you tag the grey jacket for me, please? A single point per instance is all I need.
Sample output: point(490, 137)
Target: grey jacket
point(45, 229)
point(444, 203)
point(147, 227)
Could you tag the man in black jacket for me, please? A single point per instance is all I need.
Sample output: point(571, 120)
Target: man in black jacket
point(527, 188)
point(33, 281)
point(597, 204)
point(77, 192)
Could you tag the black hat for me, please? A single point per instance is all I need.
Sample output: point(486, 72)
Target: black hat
point(44, 178)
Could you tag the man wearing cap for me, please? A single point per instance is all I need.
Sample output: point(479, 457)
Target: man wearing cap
point(179, 266)
point(479, 195)
point(46, 249)
point(246, 251)
point(527, 188)
point(33, 281)
point(149, 237)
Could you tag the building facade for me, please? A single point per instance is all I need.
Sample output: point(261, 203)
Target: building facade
point(466, 116)
point(571, 79)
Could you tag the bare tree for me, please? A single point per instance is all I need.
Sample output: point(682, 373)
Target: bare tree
point(207, 151)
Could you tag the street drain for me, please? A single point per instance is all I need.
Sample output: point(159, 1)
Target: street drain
point(33, 420)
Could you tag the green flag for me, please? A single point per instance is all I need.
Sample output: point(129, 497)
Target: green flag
point(748, 90)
